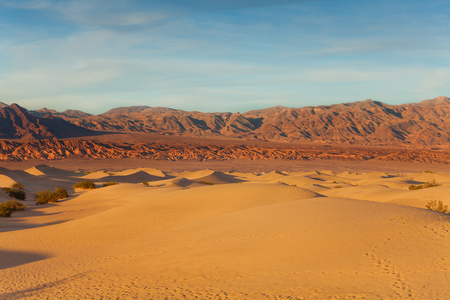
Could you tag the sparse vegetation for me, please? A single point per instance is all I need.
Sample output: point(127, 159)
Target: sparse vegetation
point(5, 211)
point(18, 186)
point(14, 205)
point(85, 185)
point(338, 186)
point(44, 197)
point(425, 185)
point(8, 207)
point(437, 205)
point(206, 182)
point(16, 191)
point(60, 193)
point(145, 183)
point(109, 183)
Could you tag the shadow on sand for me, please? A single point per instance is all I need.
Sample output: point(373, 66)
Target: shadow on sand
point(9, 259)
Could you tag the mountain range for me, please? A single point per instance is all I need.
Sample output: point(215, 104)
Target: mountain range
point(370, 123)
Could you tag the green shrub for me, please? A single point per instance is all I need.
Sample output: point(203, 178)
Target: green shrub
point(437, 205)
point(13, 205)
point(5, 211)
point(60, 193)
point(85, 185)
point(45, 197)
point(109, 183)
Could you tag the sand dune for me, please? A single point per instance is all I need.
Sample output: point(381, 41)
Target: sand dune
point(242, 236)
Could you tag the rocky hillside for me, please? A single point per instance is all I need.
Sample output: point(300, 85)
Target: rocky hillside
point(50, 149)
point(17, 123)
point(424, 124)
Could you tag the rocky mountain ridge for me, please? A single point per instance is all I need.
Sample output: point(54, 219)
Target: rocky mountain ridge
point(425, 124)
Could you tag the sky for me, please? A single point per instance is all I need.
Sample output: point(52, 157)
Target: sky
point(227, 55)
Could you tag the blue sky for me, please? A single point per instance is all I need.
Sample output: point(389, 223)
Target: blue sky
point(221, 55)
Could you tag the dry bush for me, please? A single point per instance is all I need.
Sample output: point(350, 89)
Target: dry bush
point(85, 185)
point(4, 211)
point(15, 191)
point(60, 193)
point(206, 182)
point(109, 183)
point(425, 185)
point(437, 205)
point(44, 197)
point(8, 207)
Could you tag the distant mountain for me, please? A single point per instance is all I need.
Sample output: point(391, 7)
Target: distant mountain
point(17, 123)
point(372, 123)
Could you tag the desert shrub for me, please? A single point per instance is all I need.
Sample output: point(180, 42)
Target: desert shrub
point(206, 182)
point(15, 193)
point(437, 205)
point(13, 205)
point(109, 183)
point(425, 185)
point(415, 187)
point(85, 185)
point(431, 183)
point(8, 207)
point(44, 197)
point(338, 186)
point(5, 211)
point(145, 183)
point(60, 193)
point(17, 186)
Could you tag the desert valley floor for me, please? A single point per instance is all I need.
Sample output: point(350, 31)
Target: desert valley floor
point(354, 231)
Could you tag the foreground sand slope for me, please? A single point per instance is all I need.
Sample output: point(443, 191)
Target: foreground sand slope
point(247, 236)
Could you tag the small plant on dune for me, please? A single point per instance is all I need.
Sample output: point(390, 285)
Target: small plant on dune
point(413, 187)
point(425, 185)
point(145, 183)
point(44, 197)
point(14, 205)
point(8, 207)
point(16, 191)
point(437, 205)
point(5, 211)
point(85, 185)
point(109, 183)
point(338, 186)
point(206, 182)
point(18, 186)
point(431, 183)
point(60, 193)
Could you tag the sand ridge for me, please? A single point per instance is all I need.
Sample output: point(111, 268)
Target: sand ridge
point(228, 235)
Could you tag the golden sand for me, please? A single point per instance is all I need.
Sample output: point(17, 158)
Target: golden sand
point(227, 235)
